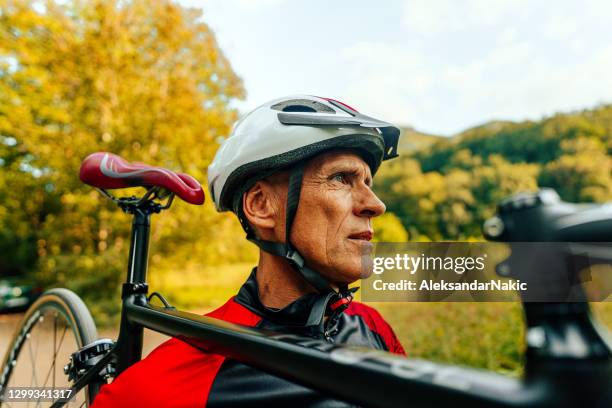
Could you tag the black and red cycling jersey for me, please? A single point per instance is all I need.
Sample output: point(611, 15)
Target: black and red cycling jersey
point(177, 374)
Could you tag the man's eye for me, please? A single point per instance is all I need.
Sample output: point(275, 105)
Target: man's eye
point(341, 177)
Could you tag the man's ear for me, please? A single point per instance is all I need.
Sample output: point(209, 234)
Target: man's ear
point(260, 206)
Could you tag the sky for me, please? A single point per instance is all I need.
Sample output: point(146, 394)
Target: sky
point(440, 66)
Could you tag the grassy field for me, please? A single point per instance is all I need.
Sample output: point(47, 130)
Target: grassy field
point(483, 335)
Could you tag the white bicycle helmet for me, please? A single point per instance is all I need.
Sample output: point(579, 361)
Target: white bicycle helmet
point(283, 134)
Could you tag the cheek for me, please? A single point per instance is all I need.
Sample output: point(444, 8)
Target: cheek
point(339, 219)
point(342, 256)
point(310, 229)
point(318, 226)
point(337, 216)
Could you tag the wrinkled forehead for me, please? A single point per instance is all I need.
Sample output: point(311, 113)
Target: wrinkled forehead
point(338, 160)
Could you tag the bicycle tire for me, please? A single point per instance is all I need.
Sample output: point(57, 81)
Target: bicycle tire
point(57, 303)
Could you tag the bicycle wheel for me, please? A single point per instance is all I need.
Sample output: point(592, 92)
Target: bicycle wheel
point(54, 327)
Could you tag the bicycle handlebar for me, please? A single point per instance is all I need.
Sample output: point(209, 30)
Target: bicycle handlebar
point(543, 217)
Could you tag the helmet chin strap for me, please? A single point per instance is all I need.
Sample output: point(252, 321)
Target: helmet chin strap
point(287, 251)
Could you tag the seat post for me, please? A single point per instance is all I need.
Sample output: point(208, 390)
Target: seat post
point(129, 341)
point(139, 246)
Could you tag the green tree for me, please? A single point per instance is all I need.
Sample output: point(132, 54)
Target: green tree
point(143, 79)
point(447, 188)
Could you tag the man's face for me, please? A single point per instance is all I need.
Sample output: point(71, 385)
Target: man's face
point(332, 227)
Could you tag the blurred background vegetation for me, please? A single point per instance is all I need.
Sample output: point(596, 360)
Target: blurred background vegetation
point(147, 80)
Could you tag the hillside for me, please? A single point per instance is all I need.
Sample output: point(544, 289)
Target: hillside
point(444, 188)
point(412, 140)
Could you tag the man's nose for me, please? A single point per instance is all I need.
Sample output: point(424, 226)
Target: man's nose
point(368, 204)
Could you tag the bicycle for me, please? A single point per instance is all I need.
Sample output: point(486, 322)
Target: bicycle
point(555, 375)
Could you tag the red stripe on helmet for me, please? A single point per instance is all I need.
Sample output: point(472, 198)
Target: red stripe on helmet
point(341, 103)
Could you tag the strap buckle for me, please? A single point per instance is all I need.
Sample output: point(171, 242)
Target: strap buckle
point(293, 256)
point(341, 304)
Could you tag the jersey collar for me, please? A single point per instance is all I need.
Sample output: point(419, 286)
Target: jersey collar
point(308, 310)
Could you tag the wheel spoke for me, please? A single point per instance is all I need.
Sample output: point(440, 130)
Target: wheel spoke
point(33, 362)
point(38, 341)
point(56, 349)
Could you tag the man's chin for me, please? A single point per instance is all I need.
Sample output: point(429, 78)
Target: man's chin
point(347, 267)
point(352, 273)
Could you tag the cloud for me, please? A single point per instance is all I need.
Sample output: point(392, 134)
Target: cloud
point(461, 63)
point(429, 17)
point(512, 81)
point(439, 65)
point(395, 78)
point(234, 5)
point(257, 4)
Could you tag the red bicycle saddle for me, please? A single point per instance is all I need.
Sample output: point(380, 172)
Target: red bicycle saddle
point(107, 170)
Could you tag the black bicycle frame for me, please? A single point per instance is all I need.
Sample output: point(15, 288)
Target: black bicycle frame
point(572, 368)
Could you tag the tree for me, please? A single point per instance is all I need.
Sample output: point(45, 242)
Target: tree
point(389, 228)
point(143, 79)
point(582, 173)
point(447, 189)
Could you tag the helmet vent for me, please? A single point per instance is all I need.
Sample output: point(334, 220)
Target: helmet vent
point(298, 108)
point(302, 105)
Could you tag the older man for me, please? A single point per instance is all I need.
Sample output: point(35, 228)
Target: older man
point(297, 172)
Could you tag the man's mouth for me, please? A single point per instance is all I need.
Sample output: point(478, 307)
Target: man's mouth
point(363, 236)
